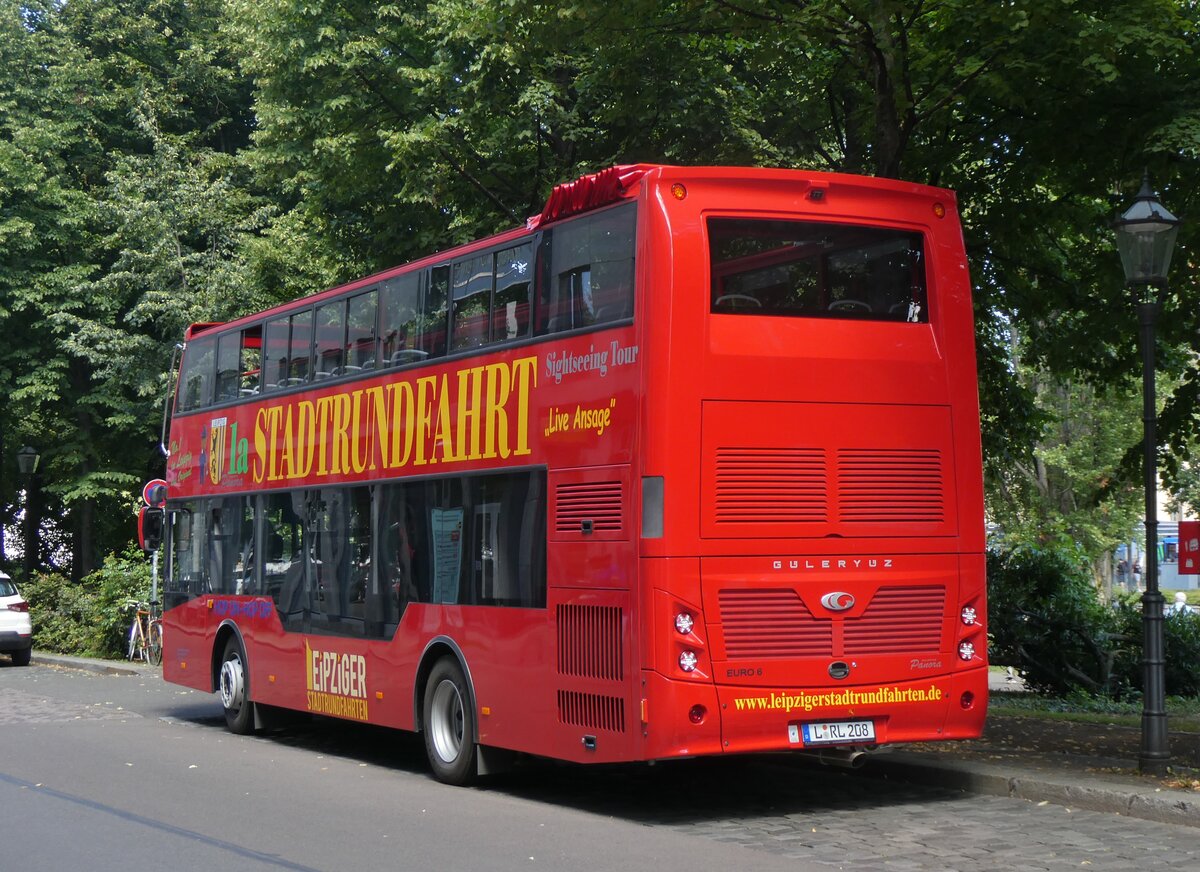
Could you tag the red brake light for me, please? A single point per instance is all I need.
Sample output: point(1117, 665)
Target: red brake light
point(18, 606)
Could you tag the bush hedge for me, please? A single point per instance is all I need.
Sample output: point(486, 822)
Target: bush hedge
point(87, 619)
point(1046, 619)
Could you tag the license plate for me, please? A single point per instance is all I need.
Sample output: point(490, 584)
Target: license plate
point(838, 732)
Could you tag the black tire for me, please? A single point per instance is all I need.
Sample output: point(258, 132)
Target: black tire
point(233, 689)
point(21, 657)
point(449, 724)
point(154, 645)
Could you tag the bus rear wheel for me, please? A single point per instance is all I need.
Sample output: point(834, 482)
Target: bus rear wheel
point(449, 724)
point(231, 685)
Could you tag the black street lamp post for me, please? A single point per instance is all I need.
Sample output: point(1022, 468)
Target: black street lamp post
point(1145, 237)
point(27, 464)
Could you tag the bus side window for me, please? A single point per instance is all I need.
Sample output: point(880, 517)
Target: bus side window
point(196, 379)
point(330, 339)
point(400, 320)
point(300, 348)
point(250, 362)
point(610, 249)
point(431, 326)
point(512, 299)
point(229, 366)
point(276, 336)
point(185, 578)
point(472, 284)
point(590, 271)
point(359, 353)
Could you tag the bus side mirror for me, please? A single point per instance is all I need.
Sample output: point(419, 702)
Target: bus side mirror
point(150, 528)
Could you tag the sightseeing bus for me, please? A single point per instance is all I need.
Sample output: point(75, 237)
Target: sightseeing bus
point(687, 465)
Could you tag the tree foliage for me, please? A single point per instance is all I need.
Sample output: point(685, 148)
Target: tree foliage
point(164, 162)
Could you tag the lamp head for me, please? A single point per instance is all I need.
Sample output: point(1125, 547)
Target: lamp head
point(1146, 234)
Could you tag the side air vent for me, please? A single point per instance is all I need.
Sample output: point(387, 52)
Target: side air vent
point(898, 620)
point(591, 506)
point(770, 485)
point(591, 710)
point(589, 642)
point(878, 485)
point(771, 623)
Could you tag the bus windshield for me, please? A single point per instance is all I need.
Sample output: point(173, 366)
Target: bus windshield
point(806, 269)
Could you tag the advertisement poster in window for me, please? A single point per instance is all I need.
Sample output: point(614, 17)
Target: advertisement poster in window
point(447, 526)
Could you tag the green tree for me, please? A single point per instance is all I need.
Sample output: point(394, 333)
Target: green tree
point(98, 99)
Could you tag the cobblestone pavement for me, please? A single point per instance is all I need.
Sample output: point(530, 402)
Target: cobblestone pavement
point(848, 820)
point(834, 818)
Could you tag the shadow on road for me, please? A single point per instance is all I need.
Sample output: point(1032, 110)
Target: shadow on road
point(674, 793)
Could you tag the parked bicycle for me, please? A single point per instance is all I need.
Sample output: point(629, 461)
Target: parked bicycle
point(145, 632)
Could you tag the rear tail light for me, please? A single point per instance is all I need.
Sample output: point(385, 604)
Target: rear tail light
point(687, 661)
point(18, 606)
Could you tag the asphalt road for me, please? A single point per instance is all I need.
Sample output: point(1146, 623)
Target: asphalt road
point(107, 772)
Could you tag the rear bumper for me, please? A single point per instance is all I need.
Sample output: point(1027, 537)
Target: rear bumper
point(931, 709)
point(14, 640)
point(745, 720)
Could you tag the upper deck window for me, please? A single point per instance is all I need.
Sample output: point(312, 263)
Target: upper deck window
point(589, 270)
point(812, 270)
point(196, 379)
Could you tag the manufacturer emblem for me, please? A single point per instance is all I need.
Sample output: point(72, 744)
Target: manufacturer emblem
point(838, 601)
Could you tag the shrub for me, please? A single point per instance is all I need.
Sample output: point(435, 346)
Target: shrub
point(86, 619)
point(1046, 619)
point(1181, 647)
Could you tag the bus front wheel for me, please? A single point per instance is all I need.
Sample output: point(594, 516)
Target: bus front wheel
point(449, 724)
point(231, 684)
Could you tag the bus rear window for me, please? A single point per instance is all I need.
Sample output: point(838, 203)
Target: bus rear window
point(815, 270)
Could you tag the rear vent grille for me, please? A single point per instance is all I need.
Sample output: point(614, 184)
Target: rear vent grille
point(772, 623)
point(777, 623)
point(598, 502)
point(898, 620)
point(879, 485)
point(589, 642)
point(771, 485)
point(591, 710)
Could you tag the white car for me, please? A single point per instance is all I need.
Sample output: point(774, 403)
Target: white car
point(16, 630)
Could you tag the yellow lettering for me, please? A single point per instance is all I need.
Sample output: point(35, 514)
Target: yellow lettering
point(287, 461)
point(306, 434)
point(495, 441)
point(400, 396)
point(424, 422)
point(260, 447)
point(443, 434)
point(470, 383)
point(358, 458)
point(340, 413)
point(377, 423)
point(524, 374)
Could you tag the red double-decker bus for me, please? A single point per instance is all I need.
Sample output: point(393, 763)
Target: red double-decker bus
point(688, 465)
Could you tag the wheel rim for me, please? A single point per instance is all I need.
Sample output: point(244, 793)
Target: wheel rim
point(232, 683)
point(446, 721)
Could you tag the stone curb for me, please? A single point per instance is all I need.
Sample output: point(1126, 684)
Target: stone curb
point(1162, 806)
point(105, 667)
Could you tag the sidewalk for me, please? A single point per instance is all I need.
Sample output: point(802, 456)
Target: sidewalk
point(1079, 766)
